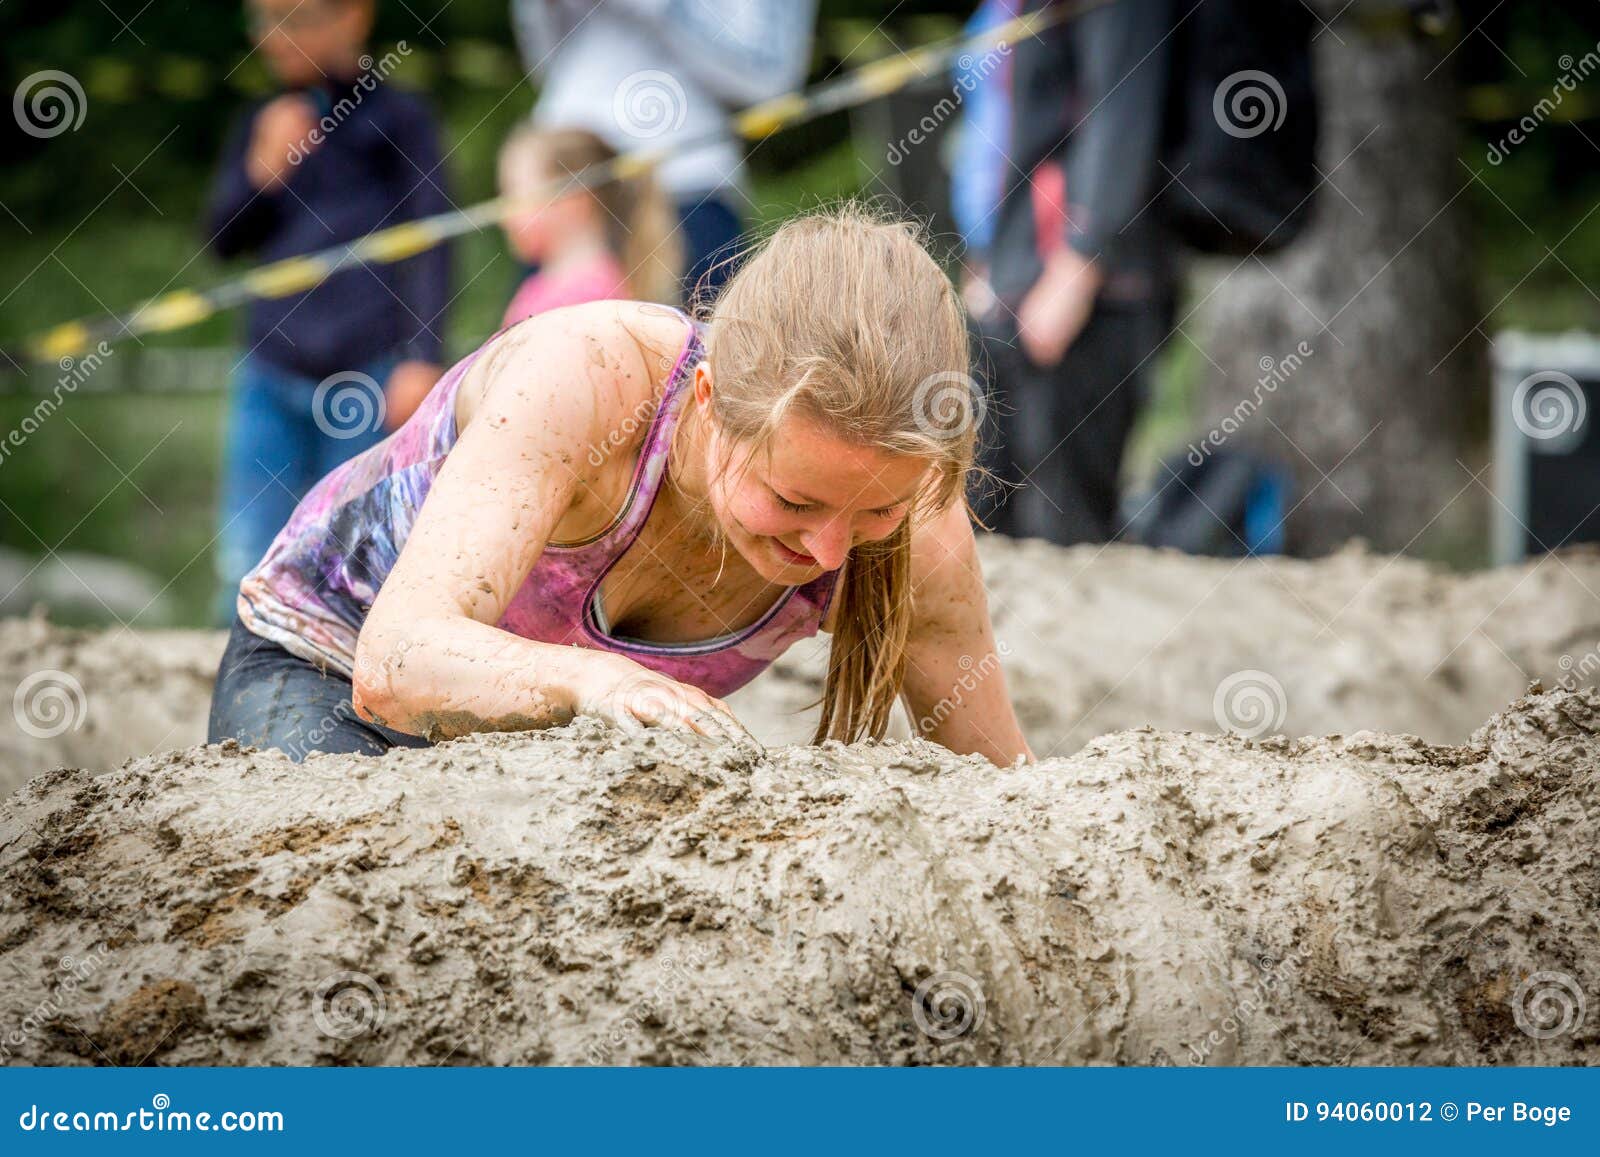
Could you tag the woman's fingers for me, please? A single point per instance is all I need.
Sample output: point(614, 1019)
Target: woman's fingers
point(715, 717)
point(644, 699)
point(706, 723)
point(665, 703)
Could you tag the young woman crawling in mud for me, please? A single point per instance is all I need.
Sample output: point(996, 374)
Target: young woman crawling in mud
point(612, 510)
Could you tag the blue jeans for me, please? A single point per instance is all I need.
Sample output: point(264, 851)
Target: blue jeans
point(266, 697)
point(275, 452)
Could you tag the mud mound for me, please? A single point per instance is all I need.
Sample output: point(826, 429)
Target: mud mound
point(580, 896)
point(1092, 641)
point(95, 699)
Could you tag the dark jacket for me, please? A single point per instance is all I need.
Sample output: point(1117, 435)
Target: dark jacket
point(1088, 100)
point(378, 164)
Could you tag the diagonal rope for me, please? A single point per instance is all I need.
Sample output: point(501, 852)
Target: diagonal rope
point(182, 308)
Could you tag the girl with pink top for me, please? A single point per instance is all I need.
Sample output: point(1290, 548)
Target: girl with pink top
point(590, 243)
point(613, 510)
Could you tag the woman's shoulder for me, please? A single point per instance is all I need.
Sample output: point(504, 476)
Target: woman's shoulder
point(613, 355)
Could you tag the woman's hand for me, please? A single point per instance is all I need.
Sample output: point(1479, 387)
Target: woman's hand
point(1056, 309)
point(280, 138)
point(633, 697)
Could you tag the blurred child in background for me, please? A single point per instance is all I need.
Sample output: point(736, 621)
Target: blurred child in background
point(590, 241)
point(338, 153)
point(672, 76)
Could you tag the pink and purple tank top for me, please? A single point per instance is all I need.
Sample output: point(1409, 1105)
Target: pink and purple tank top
point(311, 591)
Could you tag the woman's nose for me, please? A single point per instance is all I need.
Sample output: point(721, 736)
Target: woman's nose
point(829, 543)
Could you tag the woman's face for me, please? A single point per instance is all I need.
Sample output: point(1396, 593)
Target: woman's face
point(795, 510)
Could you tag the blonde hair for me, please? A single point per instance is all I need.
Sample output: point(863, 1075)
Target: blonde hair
point(843, 316)
point(641, 228)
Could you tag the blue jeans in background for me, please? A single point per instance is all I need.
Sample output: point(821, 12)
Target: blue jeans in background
point(276, 450)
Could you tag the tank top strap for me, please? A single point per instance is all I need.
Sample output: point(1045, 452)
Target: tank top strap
point(651, 467)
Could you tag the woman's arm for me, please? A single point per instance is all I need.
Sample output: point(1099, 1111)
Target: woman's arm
point(429, 660)
point(955, 689)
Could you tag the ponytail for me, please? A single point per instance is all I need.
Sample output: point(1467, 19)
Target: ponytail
point(643, 230)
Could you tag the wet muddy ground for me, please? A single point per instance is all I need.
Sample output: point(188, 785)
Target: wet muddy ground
point(1161, 894)
point(1091, 640)
point(580, 896)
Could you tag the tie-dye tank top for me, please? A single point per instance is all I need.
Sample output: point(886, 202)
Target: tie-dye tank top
point(311, 591)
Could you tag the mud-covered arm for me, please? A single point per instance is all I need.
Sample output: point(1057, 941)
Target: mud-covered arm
point(955, 689)
point(429, 660)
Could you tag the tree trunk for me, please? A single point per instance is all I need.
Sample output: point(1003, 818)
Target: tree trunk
point(1373, 421)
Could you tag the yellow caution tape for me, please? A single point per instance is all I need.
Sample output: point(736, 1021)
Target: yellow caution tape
point(176, 310)
point(761, 121)
point(396, 243)
point(298, 274)
point(64, 341)
point(281, 278)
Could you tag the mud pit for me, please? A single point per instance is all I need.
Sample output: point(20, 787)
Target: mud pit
point(1092, 641)
point(585, 897)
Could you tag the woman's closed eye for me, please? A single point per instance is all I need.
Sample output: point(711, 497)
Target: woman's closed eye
point(803, 507)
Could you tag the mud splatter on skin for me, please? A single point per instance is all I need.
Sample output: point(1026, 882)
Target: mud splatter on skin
point(440, 725)
point(580, 896)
